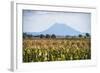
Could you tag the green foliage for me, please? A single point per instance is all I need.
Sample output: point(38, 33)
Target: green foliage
point(53, 36)
point(80, 35)
point(87, 35)
point(47, 36)
point(42, 36)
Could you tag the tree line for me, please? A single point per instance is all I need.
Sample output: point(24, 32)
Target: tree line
point(25, 35)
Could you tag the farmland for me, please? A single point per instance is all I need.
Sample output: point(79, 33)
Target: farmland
point(41, 50)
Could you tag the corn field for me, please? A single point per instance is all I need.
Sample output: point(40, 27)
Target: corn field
point(41, 50)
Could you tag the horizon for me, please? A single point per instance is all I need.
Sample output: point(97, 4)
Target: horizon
point(31, 33)
point(62, 27)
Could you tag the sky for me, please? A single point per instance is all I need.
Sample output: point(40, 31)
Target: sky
point(38, 21)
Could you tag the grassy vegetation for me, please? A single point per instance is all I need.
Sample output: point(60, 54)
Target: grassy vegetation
point(40, 50)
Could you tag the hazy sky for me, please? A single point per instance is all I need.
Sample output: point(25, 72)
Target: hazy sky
point(38, 21)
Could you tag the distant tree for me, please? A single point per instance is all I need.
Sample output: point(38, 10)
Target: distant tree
point(80, 35)
point(24, 35)
point(87, 35)
point(53, 36)
point(42, 36)
point(29, 36)
point(84, 36)
point(67, 36)
point(47, 36)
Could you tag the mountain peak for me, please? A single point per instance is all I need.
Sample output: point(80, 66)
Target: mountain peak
point(59, 29)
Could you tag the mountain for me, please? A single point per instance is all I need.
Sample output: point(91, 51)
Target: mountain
point(58, 29)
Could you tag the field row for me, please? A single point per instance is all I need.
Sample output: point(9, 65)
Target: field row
point(56, 50)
